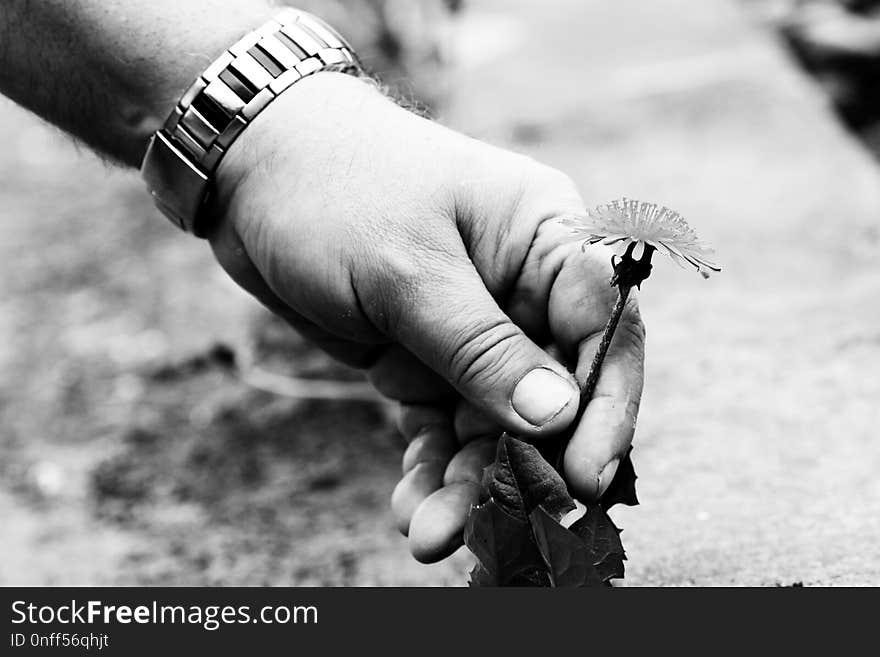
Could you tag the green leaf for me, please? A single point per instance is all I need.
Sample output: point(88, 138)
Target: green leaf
point(481, 577)
point(504, 547)
point(602, 541)
point(515, 531)
point(565, 554)
point(521, 480)
point(622, 489)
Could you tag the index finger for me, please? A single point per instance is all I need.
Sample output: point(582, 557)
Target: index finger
point(579, 305)
point(605, 430)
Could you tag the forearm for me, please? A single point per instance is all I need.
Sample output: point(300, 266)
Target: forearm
point(110, 72)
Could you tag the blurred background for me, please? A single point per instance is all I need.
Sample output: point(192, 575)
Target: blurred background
point(152, 430)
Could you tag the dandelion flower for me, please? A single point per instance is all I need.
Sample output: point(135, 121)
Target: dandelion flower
point(630, 226)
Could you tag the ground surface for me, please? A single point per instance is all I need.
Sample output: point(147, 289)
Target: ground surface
point(128, 456)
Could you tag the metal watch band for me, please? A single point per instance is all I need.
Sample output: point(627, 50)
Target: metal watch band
point(182, 157)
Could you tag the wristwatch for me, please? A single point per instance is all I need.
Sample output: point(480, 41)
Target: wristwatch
point(184, 154)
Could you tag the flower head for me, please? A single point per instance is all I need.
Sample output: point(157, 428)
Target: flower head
point(627, 223)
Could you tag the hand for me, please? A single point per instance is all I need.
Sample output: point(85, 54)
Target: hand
point(436, 263)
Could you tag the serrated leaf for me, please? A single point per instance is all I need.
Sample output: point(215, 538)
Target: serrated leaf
point(622, 489)
point(481, 577)
point(521, 480)
point(504, 547)
point(602, 541)
point(564, 553)
point(515, 533)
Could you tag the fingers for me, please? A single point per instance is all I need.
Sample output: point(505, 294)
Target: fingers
point(436, 529)
point(399, 375)
point(605, 431)
point(580, 303)
point(447, 318)
point(413, 489)
point(468, 464)
point(431, 444)
point(471, 423)
point(432, 500)
point(412, 418)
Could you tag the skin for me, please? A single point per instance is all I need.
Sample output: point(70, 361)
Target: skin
point(431, 260)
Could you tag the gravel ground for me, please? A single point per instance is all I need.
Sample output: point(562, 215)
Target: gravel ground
point(129, 454)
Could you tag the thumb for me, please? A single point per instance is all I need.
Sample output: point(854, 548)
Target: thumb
point(448, 319)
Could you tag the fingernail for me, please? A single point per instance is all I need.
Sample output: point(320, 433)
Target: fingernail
point(607, 475)
point(540, 396)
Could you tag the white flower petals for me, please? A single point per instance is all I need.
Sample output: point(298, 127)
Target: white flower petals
point(628, 222)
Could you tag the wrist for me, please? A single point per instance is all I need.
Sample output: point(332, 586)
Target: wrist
point(302, 121)
point(182, 158)
point(163, 79)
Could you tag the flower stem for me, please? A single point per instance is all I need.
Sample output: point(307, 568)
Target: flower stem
point(627, 273)
point(589, 386)
point(556, 449)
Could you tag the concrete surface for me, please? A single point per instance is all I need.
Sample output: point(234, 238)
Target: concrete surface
point(756, 445)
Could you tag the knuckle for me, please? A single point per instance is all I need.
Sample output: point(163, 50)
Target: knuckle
point(415, 486)
point(390, 287)
point(407, 272)
point(550, 180)
point(437, 526)
point(413, 419)
point(398, 268)
point(468, 464)
point(480, 351)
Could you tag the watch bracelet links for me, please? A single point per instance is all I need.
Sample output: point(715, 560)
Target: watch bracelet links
point(227, 96)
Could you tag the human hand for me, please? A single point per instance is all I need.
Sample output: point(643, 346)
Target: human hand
point(436, 262)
